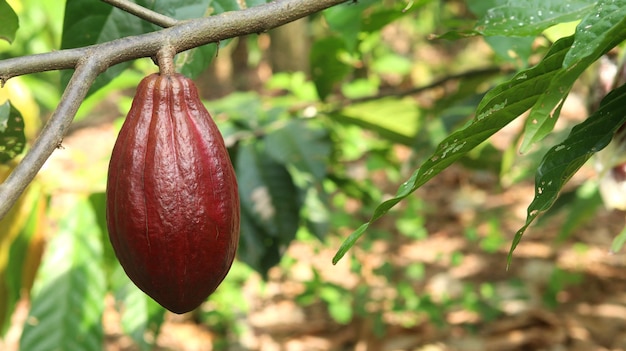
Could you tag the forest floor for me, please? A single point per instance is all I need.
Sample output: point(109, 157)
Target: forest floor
point(557, 295)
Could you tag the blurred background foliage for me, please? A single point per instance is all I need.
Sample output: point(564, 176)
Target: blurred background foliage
point(324, 119)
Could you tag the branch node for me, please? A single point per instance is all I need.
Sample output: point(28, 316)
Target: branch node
point(165, 60)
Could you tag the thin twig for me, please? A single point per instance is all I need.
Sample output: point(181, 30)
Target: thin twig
point(92, 60)
point(433, 85)
point(143, 13)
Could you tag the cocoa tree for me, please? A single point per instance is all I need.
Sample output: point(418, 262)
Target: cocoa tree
point(285, 163)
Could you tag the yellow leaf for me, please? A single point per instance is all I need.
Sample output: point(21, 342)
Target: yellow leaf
point(10, 227)
point(16, 91)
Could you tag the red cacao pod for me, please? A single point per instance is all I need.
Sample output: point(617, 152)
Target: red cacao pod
point(172, 198)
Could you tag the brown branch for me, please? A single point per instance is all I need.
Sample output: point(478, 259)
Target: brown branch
point(444, 80)
point(51, 135)
point(92, 60)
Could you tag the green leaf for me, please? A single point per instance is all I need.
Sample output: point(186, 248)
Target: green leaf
point(316, 212)
point(368, 16)
point(302, 145)
point(545, 113)
point(87, 22)
point(582, 209)
point(480, 7)
point(192, 62)
point(562, 161)
point(603, 28)
point(594, 37)
point(252, 3)
point(257, 248)
point(395, 119)
point(219, 6)
point(554, 84)
point(499, 107)
point(504, 46)
point(128, 80)
point(267, 190)
point(68, 296)
point(9, 20)
point(269, 204)
point(349, 242)
point(141, 316)
point(97, 202)
point(530, 17)
point(619, 241)
point(377, 17)
point(347, 21)
point(326, 67)
point(12, 138)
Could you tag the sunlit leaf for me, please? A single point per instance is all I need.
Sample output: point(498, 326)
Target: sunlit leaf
point(530, 17)
point(376, 115)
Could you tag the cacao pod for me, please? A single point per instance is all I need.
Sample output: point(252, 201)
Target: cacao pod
point(172, 198)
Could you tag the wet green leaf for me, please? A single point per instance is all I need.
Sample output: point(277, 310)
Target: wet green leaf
point(562, 161)
point(530, 17)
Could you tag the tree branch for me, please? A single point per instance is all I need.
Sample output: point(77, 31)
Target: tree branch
point(90, 61)
point(143, 13)
point(184, 36)
point(51, 135)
